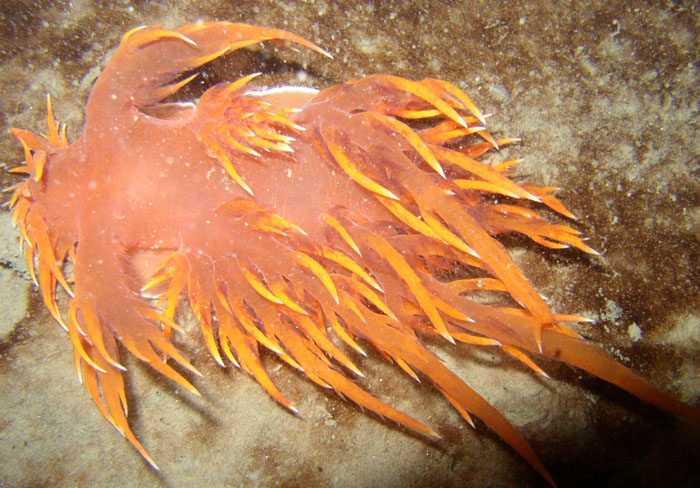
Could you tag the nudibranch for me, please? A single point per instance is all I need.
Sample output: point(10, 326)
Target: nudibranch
point(308, 223)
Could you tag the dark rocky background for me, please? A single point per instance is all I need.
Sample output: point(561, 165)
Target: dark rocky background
point(605, 97)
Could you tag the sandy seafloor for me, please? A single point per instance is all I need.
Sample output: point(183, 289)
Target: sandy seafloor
point(605, 98)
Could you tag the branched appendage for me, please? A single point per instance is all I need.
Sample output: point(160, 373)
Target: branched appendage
point(95, 349)
point(93, 320)
point(100, 315)
point(230, 125)
point(150, 59)
point(43, 251)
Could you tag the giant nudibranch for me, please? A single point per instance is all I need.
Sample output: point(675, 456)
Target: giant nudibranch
point(291, 221)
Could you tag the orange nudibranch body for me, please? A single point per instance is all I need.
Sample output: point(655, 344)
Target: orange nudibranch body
point(286, 218)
